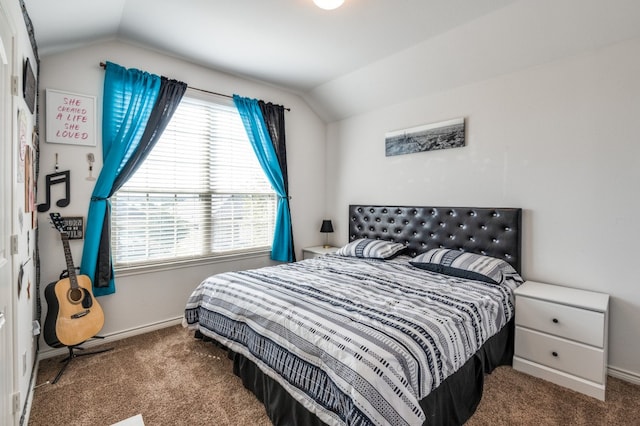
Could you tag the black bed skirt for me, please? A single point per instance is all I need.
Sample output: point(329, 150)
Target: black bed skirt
point(451, 403)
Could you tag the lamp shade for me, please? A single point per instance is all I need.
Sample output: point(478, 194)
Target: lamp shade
point(327, 226)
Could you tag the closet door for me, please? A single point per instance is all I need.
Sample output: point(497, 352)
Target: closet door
point(6, 295)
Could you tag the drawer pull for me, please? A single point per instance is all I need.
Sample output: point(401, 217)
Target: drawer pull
point(555, 320)
point(554, 353)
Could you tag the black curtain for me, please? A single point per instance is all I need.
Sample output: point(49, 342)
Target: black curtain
point(274, 119)
point(169, 97)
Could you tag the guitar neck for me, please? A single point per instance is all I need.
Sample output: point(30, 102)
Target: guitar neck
point(67, 256)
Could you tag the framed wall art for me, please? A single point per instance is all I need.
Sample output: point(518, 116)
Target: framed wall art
point(22, 143)
point(29, 86)
point(74, 227)
point(71, 118)
point(442, 135)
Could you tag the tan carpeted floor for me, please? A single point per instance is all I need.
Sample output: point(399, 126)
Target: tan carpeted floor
point(173, 379)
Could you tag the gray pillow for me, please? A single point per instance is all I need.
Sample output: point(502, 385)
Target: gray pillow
point(467, 265)
point(371, 249)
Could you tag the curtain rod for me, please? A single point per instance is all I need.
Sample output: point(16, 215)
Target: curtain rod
point(104, 66)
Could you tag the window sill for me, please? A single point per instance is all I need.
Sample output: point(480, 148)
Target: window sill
point(124, 271)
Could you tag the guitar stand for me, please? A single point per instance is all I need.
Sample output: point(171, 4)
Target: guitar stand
point(73, 355)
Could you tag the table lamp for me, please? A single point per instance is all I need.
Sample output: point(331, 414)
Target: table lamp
point(326, 228)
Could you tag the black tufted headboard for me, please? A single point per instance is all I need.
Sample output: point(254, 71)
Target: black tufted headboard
point(493, 232)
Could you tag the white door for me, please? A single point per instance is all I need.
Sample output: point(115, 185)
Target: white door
point(6, 159)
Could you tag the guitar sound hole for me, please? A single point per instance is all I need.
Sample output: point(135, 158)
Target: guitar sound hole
point(74, 295)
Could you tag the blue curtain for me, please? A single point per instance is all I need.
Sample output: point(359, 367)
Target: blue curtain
point(254, 124)
point(129, 97)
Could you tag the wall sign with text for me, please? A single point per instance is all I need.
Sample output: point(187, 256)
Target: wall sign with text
point(71, 118)
point(74, 227)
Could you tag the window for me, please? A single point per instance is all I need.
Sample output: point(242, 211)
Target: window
point(200, 193)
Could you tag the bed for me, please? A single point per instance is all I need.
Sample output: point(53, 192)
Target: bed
point(399, 327)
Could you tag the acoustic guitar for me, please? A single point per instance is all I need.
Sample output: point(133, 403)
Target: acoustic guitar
point(73, 314)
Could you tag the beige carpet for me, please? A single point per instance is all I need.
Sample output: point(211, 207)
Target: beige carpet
point(172, 379)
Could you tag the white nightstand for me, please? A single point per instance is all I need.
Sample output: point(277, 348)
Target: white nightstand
point(562, 336)
point(311, 252)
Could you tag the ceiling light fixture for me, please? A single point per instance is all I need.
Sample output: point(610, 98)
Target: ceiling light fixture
point(328, 4)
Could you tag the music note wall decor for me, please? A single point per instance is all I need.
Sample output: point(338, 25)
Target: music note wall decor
point(54, 179)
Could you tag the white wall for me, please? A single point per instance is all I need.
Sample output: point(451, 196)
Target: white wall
point(520, 35)
point(145, 299)
point(558, 140)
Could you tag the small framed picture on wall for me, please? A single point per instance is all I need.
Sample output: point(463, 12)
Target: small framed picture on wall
point(29, 86)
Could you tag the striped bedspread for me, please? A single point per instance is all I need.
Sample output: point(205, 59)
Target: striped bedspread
point(355, 341)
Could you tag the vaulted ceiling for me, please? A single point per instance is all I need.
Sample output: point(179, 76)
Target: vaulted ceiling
point(363, 55)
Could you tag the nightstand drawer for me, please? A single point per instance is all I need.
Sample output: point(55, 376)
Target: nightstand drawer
point(573, 358)
point(310, 255)
point(572, 323)
point(317, 251)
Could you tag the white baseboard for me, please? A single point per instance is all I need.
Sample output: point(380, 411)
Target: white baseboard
point(625, 375)
point(112, 337)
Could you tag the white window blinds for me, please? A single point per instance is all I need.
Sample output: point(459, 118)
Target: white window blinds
point(200, 193)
